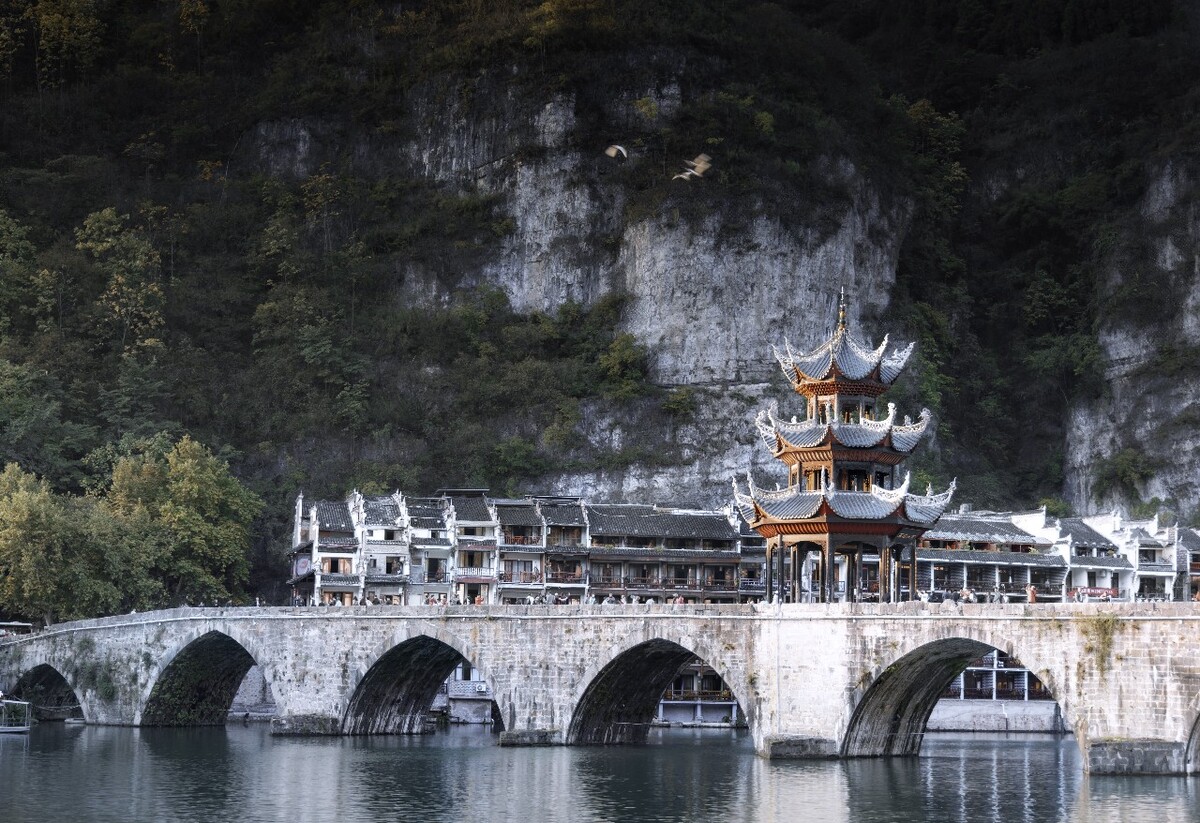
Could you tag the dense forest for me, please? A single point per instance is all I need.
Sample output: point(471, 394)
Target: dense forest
point(191, 332)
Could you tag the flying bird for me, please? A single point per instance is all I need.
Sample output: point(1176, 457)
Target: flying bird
point(701, 164)
point(695, 168)
point(614, 150)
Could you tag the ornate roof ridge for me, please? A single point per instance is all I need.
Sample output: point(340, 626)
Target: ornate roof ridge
point(880, 426)
point(894, 495)
point(859, 434)
point(852, 358)
point(919, 426)
point(929, 498)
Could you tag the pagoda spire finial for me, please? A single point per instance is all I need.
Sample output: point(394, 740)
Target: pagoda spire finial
point(842, 309)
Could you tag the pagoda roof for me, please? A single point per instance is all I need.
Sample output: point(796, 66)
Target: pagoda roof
point(877, 504)
point(845, 355)
point(807, 434)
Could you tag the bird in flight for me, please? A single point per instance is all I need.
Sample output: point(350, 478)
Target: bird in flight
point(614, 150)
point(695, 168)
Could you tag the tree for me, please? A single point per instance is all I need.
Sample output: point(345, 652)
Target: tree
point(133, 300)
point(185, 501)
point(35, 538)
point(68, 39)
point(33, 431)
point(16, 270)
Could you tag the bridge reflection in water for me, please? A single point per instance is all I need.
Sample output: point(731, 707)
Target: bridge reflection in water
point(214, 775)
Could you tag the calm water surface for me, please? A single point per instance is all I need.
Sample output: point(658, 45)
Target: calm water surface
point(78, 773)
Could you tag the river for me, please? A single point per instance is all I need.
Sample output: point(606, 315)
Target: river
point(67, 773)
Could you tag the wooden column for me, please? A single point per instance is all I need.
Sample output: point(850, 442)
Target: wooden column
point(769, 591)
point(830, 564)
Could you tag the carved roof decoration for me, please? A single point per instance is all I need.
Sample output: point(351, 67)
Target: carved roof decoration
point(780, 435)
point(847, 356)
point(877, 504)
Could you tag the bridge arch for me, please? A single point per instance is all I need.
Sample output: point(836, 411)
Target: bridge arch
point(617, 697)
point(52, 695)
point(195, 682)
point(394, 694)
point(891, 716)
point(1191, 752)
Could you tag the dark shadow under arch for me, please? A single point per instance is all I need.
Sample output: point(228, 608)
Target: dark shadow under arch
point(619, 704)
point(891, 717)
point(396, 693)
point(49, 692)
point(1191, 754)
point(198, 686)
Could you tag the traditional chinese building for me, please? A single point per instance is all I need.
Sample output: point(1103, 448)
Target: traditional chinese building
point(844, 503)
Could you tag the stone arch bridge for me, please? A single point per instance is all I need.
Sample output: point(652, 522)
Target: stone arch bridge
point(822, 680)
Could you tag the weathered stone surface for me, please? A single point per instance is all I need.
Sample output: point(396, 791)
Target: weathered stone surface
point(531, 737)
point(1137, 757)
point(780, 747)
point(812, 680)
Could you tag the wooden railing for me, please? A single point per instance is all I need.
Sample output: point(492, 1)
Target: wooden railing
point(520, 577)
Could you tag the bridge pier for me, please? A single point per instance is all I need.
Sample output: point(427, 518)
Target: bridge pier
point(306, 725)
point(1137, 757)
point(797, 747)
point(532, 737)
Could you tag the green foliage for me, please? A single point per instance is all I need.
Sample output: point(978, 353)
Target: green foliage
point(307, 305)
point(623, 367)
point(681, 403)
point(1122, 473)
point(1055, 506)
point(186, 502)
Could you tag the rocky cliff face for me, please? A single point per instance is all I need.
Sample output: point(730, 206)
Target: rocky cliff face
point(1152, 403)
point(707, 302)
point(709, 293)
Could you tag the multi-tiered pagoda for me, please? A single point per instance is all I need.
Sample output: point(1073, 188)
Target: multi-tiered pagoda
point(844, 498)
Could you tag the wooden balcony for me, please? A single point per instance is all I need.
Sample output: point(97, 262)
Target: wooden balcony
point(474, 573)
point(566, 578)
point(520, 578)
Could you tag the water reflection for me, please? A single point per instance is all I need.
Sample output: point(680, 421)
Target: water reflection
point(62, 773)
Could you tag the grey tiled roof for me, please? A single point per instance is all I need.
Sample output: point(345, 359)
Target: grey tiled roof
point(730, 556)
point(1100, 563)
point(1189, 539)
point(563, 514)
point(1082, 534)
point(334, 516)
point(1144, 538)
point(380, 511)
point(471, 509)
point(647, 521)
point(981, 530)
point(1002, 558)
point(851, 357)
point(520, 515)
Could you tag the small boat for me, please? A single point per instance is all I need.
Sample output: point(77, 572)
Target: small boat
point(16, 716)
